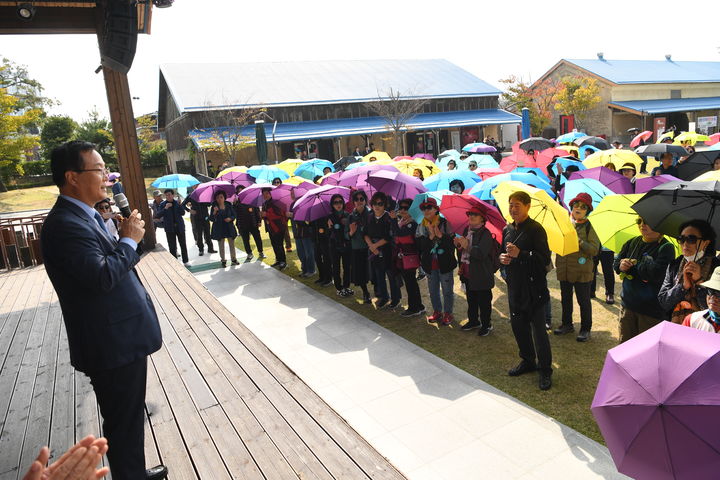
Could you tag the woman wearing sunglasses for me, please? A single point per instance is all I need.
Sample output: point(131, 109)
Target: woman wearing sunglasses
point(378, 237)
point(105, 210)
point(359, 270)
point(708, 320)
point(641, 264)
point(407, 257)
point(340, 254)
point(681, 293)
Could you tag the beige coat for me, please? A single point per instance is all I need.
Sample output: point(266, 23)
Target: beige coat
point(568, 268)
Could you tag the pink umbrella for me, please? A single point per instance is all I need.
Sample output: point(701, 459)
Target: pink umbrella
point(643, 185)
point(252, 195)
point(397, 185)
point(357, 177)
point(426, 156)
point(714, 138)
point(205, 192)
point(486, 173)
point(315, 203)
point(545, 157)
point(640, 137)
point(401, 157)
point(454, 208)
point(238, 178)
point(518, 159)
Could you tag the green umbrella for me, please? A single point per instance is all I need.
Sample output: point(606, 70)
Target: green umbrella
point(261, 142)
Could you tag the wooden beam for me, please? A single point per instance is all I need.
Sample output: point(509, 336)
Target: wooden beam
point(126, 145)
point(48, 21)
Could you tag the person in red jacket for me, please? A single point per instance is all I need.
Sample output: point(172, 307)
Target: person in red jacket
point(276, 225)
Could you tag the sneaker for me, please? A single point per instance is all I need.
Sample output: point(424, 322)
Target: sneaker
point(349, 292)
point(381, 303)
point(340, 293)
point(275, 264)
point(470, 326)
point(564, 329)
point(447, 318)
point(421, 276)
point(522, 368)
point(435, 317)
point(583, 336)
point(610, 299)
point(548, 324)
point(485, 331)
point(262, 255)
point(282, 266)
point(249, 256)
point(224, 263)
point(318, 281)
point(367, 300)
point(326, 284)
point(201, 253)
point(545, 380)
point(187, 264)
point(394, 305)
point(212, 251)
point(235, 262)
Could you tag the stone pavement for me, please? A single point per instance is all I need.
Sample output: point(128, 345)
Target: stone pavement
point(429, 418)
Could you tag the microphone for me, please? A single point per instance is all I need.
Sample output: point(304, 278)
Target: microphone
point(122, 202)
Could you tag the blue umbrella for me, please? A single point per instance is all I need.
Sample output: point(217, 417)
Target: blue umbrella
point(566, 162)
point(442, 163)
point(483, 161)
point(483, 190)
point(312, 168)
point(415, 211)
point(175, 180)
point(538, 172)
point(569, 137)
point(266, 174)
point(715, 147)
point(592, 187)
point(449, 153)
point(586, 150)
point(356, 165)
point(442, 180)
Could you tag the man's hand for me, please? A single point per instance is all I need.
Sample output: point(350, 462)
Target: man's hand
point(78, 463)
point(228, 219)
point(393, 214)
point(626, 264)
point(512, 250)
point(505, 259)
point(168, 206)
point(132, 227)
point(353, 228)
point(215, 210)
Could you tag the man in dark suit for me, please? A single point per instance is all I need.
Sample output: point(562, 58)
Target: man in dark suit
point(110, 320)
point(172, 214)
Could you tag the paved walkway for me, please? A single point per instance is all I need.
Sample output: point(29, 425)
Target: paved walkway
point(429, 418)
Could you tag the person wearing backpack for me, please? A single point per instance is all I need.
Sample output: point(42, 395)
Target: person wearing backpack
point(479, 260)
point(575, 271)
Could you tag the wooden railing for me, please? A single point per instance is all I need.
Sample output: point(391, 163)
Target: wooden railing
point(20, 241)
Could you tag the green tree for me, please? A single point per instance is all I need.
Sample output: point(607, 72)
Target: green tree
point(98, 130)
point(577, 97)
point(27, 91)
point(538, 98)
point(15, 140)
point(55, 131)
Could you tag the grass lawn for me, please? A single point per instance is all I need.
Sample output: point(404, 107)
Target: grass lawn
point(577, 365)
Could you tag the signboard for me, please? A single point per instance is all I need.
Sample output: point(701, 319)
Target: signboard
point(706, 122)
point(659, 126)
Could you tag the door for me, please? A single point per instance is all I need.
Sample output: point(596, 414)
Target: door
point(567, 123)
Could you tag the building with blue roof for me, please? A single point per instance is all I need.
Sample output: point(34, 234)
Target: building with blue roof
point(651, 95)
point(320, 107)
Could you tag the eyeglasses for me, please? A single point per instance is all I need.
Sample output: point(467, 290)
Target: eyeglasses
point(338, 202)
point(378, 204)
point(640, 221)
point(103, 171)
point(404, 207)
point(104, 207)
point(427, 207)
point(358, 199)
point(689, 239)
point(711, 292)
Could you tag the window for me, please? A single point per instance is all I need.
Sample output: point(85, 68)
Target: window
point(675, 93)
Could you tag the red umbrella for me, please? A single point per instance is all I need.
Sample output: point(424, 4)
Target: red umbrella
point(518, 159)
point(640, 137)
point(545, 157)
point(714, 138)
point(454, 208)
point(486, 173)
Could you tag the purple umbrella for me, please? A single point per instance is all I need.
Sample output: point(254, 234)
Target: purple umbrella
point(645, 184)
point(426, 156)
point(612, 180)
point(302, 188)
point(205, 192)
point(397, 185)
point(252, 195)
point(316, 203)
point(658, 404)
point(357, 177)
point(238, 178)
point(332, 178)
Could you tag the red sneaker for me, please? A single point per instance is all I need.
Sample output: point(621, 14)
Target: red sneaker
point(435, 317)
point(447, 318)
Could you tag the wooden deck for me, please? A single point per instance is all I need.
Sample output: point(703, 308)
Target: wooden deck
point(219, 403)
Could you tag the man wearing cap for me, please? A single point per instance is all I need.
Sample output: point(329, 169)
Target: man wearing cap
point(708, 320)
point(526, 259)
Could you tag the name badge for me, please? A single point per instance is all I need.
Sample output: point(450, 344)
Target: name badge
point(250, 209)
point(582, 260)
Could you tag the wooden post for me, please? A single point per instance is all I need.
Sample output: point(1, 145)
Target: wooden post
point(126, 146)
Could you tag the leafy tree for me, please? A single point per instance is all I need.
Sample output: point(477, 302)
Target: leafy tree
point(98, 130)
point(27, 91)
point(153, 148)
point(56, 130)
point(577, 97)
point(15, 140)
point(539, 99)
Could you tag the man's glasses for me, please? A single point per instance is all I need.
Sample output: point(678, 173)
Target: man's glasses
point(103, 171)
point(689, 239)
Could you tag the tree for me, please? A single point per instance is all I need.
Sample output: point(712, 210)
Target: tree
point(539, 99)
point(577, 97)
point(27, 91)
point(397, 108)
point(153, 148)
point(98, 130)
point(56, 130)
point(15, 139)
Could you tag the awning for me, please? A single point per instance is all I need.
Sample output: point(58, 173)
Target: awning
point(205, 138)
point(645, 107)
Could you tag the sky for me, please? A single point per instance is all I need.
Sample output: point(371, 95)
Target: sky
point(492, 40)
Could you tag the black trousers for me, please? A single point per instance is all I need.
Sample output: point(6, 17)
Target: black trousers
point(245, 234)
point(201, 233)
point(531, 337)
point(276, 240)
point(479, 306)
point(177, 237)
point(412, 288)
point(322, 260)
point(605, 258)
point(582, 293)
point(341, 258)
point(120, 394)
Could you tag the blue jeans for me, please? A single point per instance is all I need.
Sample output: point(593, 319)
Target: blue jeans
point(379, 272)
point(306, 254)
point(437, 280)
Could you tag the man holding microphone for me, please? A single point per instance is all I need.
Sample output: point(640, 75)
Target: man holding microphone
point(109, 341)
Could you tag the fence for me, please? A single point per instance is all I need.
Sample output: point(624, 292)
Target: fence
point(20, 241)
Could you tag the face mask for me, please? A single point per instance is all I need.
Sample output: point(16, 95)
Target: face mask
point(694, 258)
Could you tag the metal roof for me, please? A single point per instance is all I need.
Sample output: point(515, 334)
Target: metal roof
point(284, 132)
point(651, 71)
point(199, 86)
point(668, 105)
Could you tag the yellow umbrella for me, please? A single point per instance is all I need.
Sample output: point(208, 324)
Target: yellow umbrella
point(614, 156)
point(288, 166)
point(561, 234)
point(711, 176)
point(384, 161)
point(377, 156)
point(238, 168)
point(569, 149)
point(295, 180)
point(691, 137)
point(669, 134)
point(408, 167)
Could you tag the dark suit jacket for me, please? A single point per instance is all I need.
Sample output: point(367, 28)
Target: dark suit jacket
point(109, 317)
point(172, 217)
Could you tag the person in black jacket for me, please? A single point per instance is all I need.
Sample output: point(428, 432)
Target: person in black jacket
point(478, 264)
point(247, 219)
point(305, 242)
point(223, 228)
point(378, 237)
point(407, 257)
point(358, 219)
point(171, 213)
point(340, 253)
point(322, 252)
point(200, 223)
point(437, 257)
point(526, 259)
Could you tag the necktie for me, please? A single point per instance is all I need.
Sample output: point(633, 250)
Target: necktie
point(101, 223)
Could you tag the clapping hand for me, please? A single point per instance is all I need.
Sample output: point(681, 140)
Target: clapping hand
point(512, 250)
point(78, 463)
